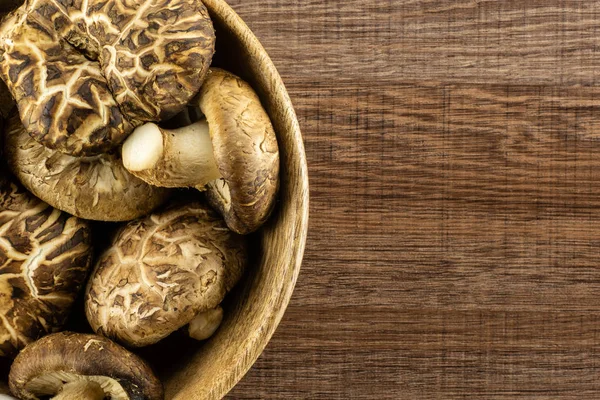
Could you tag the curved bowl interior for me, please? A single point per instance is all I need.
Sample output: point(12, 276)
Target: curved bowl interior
point(257, 305)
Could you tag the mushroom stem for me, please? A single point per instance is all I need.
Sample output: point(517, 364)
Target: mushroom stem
point(81, 390)
point(171, 158)
point(205, 324)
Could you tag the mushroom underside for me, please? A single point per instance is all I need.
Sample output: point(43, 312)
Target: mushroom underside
point(232, 154)
point(97, 386)
point(76, 366)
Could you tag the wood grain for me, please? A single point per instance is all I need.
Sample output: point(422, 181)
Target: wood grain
point(512, 41)
point(454, 240)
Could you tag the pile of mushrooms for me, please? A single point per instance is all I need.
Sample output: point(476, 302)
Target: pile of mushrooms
point(112, 117)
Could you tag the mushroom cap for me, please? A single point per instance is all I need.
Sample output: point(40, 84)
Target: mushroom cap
point(63, 98)
point(245, 149)
point(161, 271)
point(157, 64)
point(84, 75)
point(94, 187)
point(45, 255)
point(43, 367)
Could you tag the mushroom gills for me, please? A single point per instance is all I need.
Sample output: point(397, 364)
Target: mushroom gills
point(178, 158)
point(80, 390)
point(206, 323)
point(75, 386)
point(221, 189)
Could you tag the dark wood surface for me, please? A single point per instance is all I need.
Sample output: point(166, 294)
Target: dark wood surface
point(454, 157)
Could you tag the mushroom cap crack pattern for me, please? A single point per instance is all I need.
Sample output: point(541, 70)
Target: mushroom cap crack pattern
point(85, 73)
point(45, 255)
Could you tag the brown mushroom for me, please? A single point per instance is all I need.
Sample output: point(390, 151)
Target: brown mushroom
point(75, 366)
point(233, 153)
point(62, 97)
point(161, 272)
point(84, 75)
point(95, 187)
point(45, 255)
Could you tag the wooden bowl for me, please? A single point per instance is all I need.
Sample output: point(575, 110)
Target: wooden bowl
point(256, 306)
point(192, 370)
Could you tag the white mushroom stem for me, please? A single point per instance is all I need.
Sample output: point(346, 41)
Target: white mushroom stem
point(205, 324)
point(171, 158)
point(80, 390)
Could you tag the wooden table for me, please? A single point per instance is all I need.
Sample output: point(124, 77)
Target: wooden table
point(454, 244)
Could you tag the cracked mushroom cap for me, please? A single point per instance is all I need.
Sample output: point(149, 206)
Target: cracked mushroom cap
point(95, 187)
point(84, 75)
point(45, 256)
point(162, 271)
point(81, 366)
point(245, 150)
point(62, 97)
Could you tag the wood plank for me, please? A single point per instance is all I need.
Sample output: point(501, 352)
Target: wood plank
point(497, 190)
point(512, 42)
point(383, 353)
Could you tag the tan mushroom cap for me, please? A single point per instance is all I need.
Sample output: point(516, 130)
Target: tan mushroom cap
point(82, 363)
point(157, 63)
point(96, 187)
point(45, 256)
point(62, 97)
point(245, 149)
point(161, 271)
point(84, 74)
